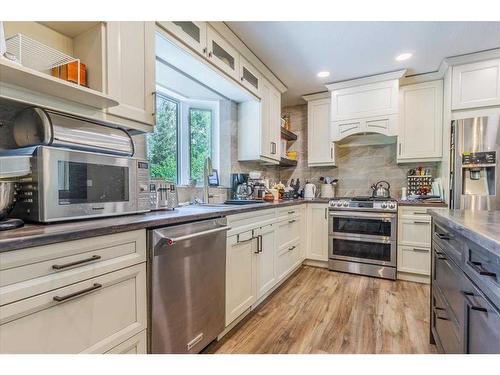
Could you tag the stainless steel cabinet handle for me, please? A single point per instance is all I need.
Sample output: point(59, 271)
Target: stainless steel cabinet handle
point(326, 213)
point(243, 241)
point(204, 50)
point(259, 244)
point(291, 221)
point(172, 240)
point(421, 222)
point(210, 54)
point(291, 212)
point(76, 263)
point(291, 248)
point(478, 267)
point(471, 304)
point(420, 250)
point(154, 103)
point(76, 294)
point(442, 236)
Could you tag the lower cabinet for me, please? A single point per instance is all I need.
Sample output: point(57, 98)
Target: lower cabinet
point(414, 244)
point(317, 232)
point(135, 345)
point(265, 259)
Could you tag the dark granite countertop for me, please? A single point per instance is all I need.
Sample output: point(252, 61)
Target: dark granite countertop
point(43, 234)
point(481, 227)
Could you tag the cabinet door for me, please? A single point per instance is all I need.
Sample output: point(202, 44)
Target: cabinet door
point(249, 76)
point(222, 54)
point(420, 122)
point(320, 148)
point(135, 345)
point(414, 232)
point(266, 259)
point(317, 227)
point(240, 275)
point(131, 69)
point(192, 33)
point(414, 260)
point(266, 147)
point(275, 123)
point(476, 85)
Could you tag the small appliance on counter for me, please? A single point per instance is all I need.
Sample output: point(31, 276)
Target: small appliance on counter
point(164, 195)
point(309, 190)
point(240, 189)
point(328, 187)
point(12, 170)
point(381, 191)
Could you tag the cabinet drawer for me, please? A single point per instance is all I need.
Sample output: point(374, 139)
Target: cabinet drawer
point(111, 309)
point(288, 212)
point(288, 258)
point(250, 220)
point(414, 260)
point(414, 232)
point(36, 270)
point(288, 231)
point(414, 212)
point(450, 242)
point(135, 345)
point(443, 326)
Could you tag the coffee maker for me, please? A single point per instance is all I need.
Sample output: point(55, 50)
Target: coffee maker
point(240, 186)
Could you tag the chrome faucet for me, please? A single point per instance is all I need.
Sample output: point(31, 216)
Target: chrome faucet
point(207, 171)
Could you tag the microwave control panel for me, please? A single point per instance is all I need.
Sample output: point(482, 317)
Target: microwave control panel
point(143, 195)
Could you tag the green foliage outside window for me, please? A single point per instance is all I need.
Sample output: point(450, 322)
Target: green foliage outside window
point(200, 129)
point(162, 143)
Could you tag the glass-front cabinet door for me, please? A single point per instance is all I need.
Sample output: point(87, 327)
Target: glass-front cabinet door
point(192, 33)
point(222, 54)
point(249, 76)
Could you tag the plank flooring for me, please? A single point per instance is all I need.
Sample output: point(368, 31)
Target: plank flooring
point(318, 311)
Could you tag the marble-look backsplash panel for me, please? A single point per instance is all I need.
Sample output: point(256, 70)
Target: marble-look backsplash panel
point(357, 167)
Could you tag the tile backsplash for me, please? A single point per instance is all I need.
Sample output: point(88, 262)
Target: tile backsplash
point(358, 167)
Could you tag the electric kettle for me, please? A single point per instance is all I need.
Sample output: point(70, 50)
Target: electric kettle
point(309, 191)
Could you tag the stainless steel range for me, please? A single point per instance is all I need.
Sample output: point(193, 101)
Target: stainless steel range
point(362, 236)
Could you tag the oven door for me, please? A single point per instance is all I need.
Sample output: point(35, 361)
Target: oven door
point(77, 184)
point(368, 237)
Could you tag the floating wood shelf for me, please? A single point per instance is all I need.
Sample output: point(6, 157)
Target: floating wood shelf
point(285, 162)
point(15, 74)
point(288, 135)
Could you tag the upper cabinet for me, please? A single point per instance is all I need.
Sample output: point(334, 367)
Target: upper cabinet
point(131, 70)
point(365, 105)
point(249, 76)
point(320, 148)
point(192, 33)
point(476, 85)
point(420, 122)
point(222, 54)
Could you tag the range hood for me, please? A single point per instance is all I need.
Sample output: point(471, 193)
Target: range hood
point(365, 106)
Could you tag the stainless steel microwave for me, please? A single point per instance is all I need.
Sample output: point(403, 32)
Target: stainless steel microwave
point(70, 184)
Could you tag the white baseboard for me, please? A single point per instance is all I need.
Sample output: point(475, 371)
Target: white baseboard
point(416, 278)
point(315, 263)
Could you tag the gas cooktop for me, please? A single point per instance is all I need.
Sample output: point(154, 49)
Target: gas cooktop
point(364, 203)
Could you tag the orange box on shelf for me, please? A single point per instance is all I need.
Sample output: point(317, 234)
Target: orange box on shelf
point(292, 155)
point(69, 72)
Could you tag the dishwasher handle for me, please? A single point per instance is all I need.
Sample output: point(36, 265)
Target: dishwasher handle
point(172, 240)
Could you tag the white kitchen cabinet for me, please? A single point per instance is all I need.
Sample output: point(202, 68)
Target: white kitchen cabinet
point(192, 33)
point(265, 259)
point(91, 316)
point(420, 122)
point(137, 344)
point(241, 286)
point(259, 127)
point(320, 148)
point(288, 258)
point(222, 54)
point(414, 244)
point(131, 69)
point(317, 232)
point(476, 85)
point(249, 76)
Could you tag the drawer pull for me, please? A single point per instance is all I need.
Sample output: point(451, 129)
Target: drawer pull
point(421, 222)
point(291, 221)
point(442, 236)
point(419, 213)
point(420, 250)
point(76, 294)
point(471, 304)
point(291, 248)
point(478, 267)
point(440, 255)
point(291, 212)
point(66, 265)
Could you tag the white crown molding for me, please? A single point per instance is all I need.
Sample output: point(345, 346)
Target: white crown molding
point(316, 96)
point(366, 80)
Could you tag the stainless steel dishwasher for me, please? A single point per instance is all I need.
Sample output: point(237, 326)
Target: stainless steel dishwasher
point(187, 268)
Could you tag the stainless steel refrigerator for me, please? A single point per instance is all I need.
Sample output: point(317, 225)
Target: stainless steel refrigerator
point(475, 146)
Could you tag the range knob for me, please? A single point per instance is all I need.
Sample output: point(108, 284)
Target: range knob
point(383, 205)
point(392, 205)
point(345, 204)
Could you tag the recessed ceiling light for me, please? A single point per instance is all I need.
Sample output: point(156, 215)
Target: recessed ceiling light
point(404, 56)
point(323, 74)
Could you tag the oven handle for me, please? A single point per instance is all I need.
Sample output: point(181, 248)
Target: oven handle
point(360, 238)
point(385, 217)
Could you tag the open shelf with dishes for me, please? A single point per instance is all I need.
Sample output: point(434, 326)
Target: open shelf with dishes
point(61, 59)
point(288, 157)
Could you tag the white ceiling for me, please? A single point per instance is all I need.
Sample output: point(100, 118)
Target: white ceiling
point(297, 51)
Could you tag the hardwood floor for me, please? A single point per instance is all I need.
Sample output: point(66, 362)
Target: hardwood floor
point(318, 311)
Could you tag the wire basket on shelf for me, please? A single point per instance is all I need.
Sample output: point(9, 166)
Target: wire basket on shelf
point(35, 55)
